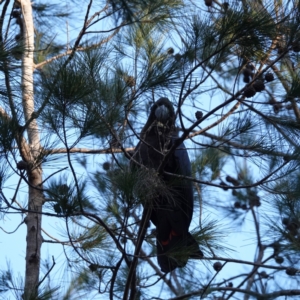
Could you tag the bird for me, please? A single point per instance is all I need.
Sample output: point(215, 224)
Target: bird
point(171, 211)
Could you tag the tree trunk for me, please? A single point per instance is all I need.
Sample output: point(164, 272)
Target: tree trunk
point(34, 172)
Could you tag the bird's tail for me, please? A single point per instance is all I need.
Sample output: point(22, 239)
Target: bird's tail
point(176, 251)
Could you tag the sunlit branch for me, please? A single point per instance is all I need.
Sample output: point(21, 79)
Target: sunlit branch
point(87, 151)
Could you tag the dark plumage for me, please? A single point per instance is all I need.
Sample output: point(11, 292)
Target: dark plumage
point(172, 207)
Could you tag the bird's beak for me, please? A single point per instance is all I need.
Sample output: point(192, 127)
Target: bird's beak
point(162, 114)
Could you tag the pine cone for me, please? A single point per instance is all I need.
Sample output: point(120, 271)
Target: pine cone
point(106, 166)
point(249, 92)
point(247, 72)
point(225, 188)
point(177, 57)
point(269, 77)
point(237, 204)
point(259, 85)
point(170, 51)
point(217, 266)
point(280, 50)
point(263, 274)
point(16, 13)
point(198, 115)
point(244, 207)
point(254, 201)
point(22, 165)
point(249, 65)
point(208, 2)
point(232, 180)
point(246, 79)
point(130, 81)
point(225, 5)
point(279, 259)
point(291, 271)
point(277, 107)
point(18, 37)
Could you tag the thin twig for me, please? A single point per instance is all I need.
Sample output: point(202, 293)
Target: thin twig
point(211, 280)
point(46, 275)
point(10, 232)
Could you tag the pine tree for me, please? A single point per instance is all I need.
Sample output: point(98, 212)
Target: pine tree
point(77, 83)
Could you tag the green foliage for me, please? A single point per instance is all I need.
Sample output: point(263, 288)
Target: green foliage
point(85, 95)
point(156, 69)
point(68, 199)
point(210, 163)
point(5, 279)
point(251, 29)
point(46, 14)
point(93, 237)
point(80, 282)
point(45, 47)
point(72, 84)
point(294, 91)
point(202, 40)
point(7, 51)
point(157, 11)
point(9, 130)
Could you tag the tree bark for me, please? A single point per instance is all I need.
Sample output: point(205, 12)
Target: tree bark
point(34, 171)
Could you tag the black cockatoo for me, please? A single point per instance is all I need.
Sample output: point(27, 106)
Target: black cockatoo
point(172, 211)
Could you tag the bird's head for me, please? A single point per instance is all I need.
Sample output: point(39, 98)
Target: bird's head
point(161, 119)
point(163, 112)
